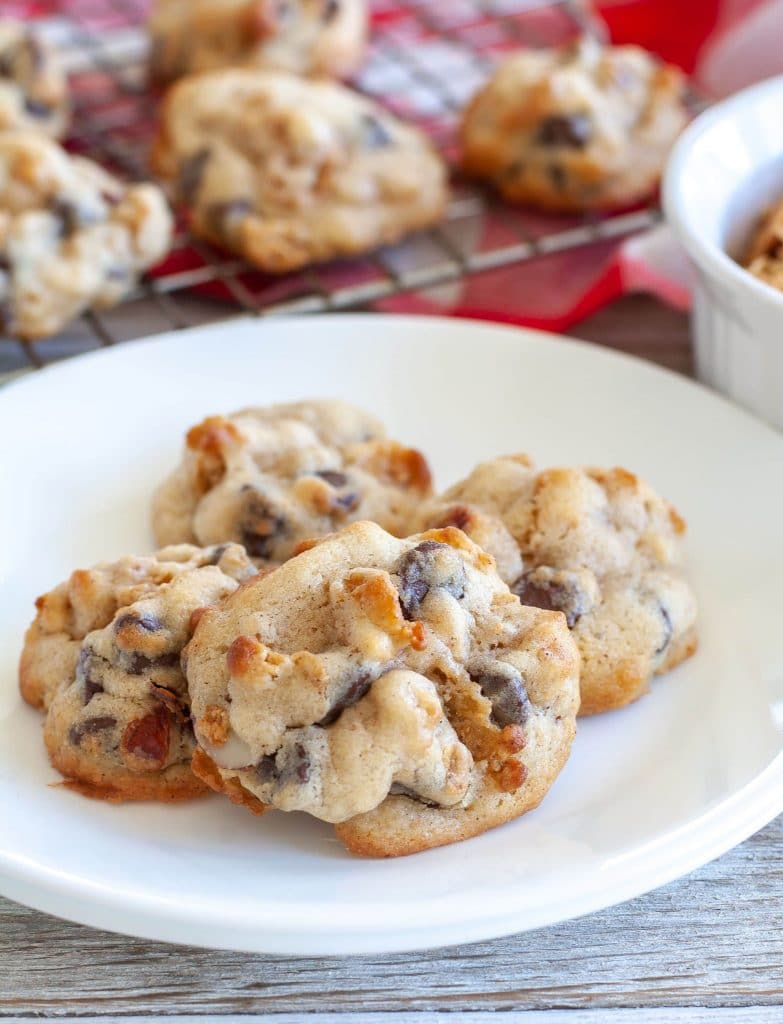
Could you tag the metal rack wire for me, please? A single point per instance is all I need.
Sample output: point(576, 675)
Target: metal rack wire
point(426, 57)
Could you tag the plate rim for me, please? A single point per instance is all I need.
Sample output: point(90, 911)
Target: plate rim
point(682, 849)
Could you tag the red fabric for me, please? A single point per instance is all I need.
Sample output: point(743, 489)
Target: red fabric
point(722, 44)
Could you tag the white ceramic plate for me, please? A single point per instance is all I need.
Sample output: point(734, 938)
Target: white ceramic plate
point(650, 792)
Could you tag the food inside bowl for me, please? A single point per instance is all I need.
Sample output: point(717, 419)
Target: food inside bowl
point(764, 254)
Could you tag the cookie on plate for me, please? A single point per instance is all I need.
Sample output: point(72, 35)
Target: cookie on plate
point(578, 128)
point(764, 256)
point(33, 86)
point(271, 478)
point(307, 37)
point(597, 544)
point(102, 659)
point(287, 172)
point(395, 688)
point(72, 237)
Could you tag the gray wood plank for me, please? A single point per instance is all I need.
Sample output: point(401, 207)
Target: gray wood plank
point(672, 1015)
point(715, 938)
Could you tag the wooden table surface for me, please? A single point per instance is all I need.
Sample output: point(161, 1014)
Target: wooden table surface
point(706, 948)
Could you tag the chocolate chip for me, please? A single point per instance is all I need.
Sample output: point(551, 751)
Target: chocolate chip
point(261, 526)
point(222, 217)
point(290, 764)
point(148, 737)
point(375, 134)
point(354, 692)
point(149, 623)
point(85, 667)
point(136, 664)
point(503, 686)
point(35, 108)
point(68, 213)
point(554, 591)
point(430, 565)
point(89, 727)
point(215, 553)
point(333, 477)
point(331, 9)
point(191, 172)
point(266, 769)
point(668, 629)
point(570, 130)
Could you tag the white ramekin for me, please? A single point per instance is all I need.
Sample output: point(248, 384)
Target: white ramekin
point(725, 170)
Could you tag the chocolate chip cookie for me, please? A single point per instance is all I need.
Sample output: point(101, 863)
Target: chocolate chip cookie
point(573, 129)
point(72, 237)
point(307, 37)
point(271, 478)
point(33, 86)
point(598, 545)
point(102, 659)
point(395, 688)
point(288, 172)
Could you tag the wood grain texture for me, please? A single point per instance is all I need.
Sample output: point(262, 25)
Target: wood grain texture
point(641, 1015)
point(712, 939)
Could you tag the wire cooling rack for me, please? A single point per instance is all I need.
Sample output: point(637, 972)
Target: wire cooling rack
point(426, 58)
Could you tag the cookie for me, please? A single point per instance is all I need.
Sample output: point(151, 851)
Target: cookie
point(764, 256)
point(72, 237)
point(307, 37)
point(573, 129)
point(598, 545)
point(395, 688)
point(33, 86)
point(274, 477)
point(288, 172)
point(102, 659)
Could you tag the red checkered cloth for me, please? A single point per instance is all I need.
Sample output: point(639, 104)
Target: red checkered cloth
point(722, 44)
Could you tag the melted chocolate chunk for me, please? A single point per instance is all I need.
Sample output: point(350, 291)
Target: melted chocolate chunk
point(668, 629)
point(71, 218)
point(89, 727)
point(223, 217)
point(136, 664)
point(354, 692)
point(261, 526)
point(397, 789)
point(191, 172)
point(430, 565)
point(215, 554)
point(560, 595)
point(35, 108)
point(375, 134)
point(86, 674)
point(333, 477)
point(149, 623)
point(289, 764)
point(570, 130)
point(503, 686)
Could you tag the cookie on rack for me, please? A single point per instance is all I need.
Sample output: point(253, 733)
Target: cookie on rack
point(395, 688)
point(33, 85)
point(72, 236)
point(288, 172)
point(102, 660)
point(271, 478)
point(579, 128)
point(598, 545)
point(307, 37)
point(764, 256)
